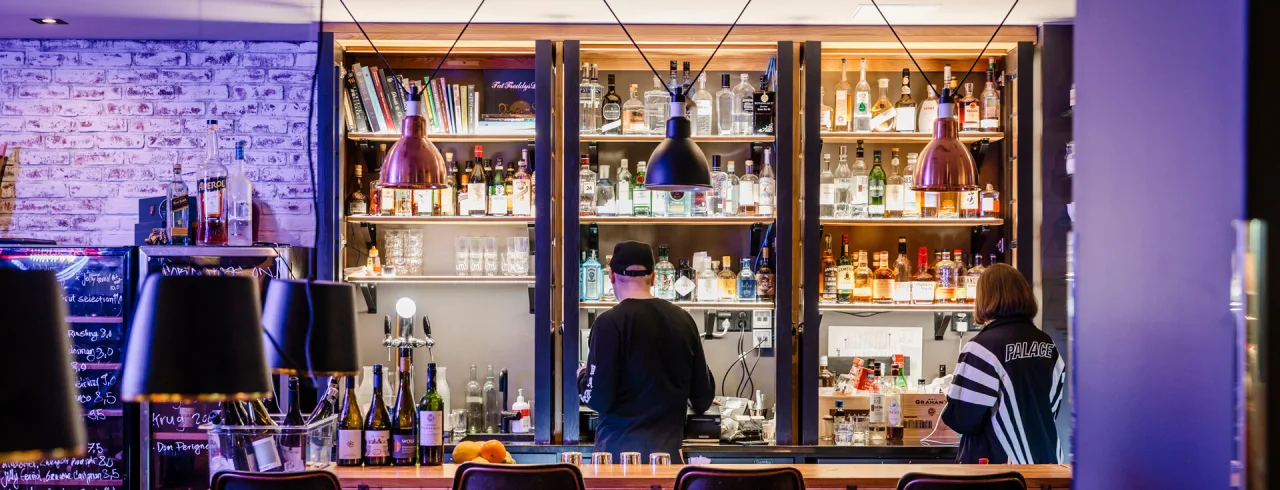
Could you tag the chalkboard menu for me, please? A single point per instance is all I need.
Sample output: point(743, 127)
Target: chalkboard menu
point(178, 449)
point(98, 287)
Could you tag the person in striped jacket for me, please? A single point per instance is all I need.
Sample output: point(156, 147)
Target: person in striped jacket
point(1009, 380)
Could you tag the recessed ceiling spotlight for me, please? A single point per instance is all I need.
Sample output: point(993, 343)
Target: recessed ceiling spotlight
point(47, 21)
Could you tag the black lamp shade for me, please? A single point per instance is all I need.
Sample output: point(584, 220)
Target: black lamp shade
point(677, 164)
point(41, 415)
point(196, 338)
point(330, 315)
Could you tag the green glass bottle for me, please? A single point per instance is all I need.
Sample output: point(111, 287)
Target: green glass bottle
point(404, 419)
point(431, 419)
point(350, 429)
point(377, 426)
point(875, 188)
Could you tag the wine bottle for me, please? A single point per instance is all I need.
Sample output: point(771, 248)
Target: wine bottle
point(328, 404)
point(492, 406)
point(269, 403)
point(404, 423)
point(293, 440)
point(475, 405)
point(377, 426)
point(350, 428)
point(431, 420)
point(234, 453)
point(266, 450)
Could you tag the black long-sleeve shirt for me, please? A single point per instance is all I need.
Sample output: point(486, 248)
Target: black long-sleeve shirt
point(645, 366)
point(1009, 384)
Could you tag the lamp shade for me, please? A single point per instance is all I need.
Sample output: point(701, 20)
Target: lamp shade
point(42, 417)
point(677, 164)
point(945, 164)
point(413, 162)
point(196, 338)
point(329, 314)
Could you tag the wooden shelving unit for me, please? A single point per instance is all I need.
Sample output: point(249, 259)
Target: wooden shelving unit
point(445, 138)
point(654, 138)
point(893, 138)
point(441, 220)
point(691, 305)
point(675, 220)
point(873, 308)
point(460, 280)
point(911, 222)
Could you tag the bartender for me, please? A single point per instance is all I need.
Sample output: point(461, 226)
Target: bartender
point(646, 367)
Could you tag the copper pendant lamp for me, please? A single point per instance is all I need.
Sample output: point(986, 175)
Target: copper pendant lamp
point(413, 162)
point(945, 164)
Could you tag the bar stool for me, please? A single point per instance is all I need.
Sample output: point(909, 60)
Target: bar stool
point(559, 476)
point(712, 478)
point(1010, 480)
point(305, 480)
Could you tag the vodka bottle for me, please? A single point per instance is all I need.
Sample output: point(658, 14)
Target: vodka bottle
point(862, 102)
point(622, 196)
point(730, 196)
point(743, 93)
point(719, 179)
point(703, 102)
point(826, 189)
point(724, 107)
point(844, 186)
point(586, 101)
point(239, 203)
point(665, 280)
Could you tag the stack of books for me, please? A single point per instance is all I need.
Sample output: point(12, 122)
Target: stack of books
point(374, 102)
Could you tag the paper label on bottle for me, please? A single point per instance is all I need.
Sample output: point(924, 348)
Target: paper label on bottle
point(377, 443)
point(588, 188)
point(747, 194)
point(830, 276)
point(877, 409)
point(764, 284)
point(902, 292)
point(293, 461)
point(388, 203)
point(684, 286)
point(827, 194)
point(907, 119)
point(860, 189)
point(498, 204)
point(476, 197)
point(969, 200)
point(884, 120)
point(665, 281)
point(971, 115)
point(707, 290)
point(875, 191)
point(988, 205)
point(266, 453)
point(922, 291)
point(928, 116)
point(748, 105)
point(747, 289)
point(931, 199)
point(404, 446)
point(893, 197)
point(423, 202)
point(350, 444)
point(826, 120)
point(640, 199)
point(704, 117)
point(612, 113)
point(882, 289)
point(521, 204)
point(211, 194)
point(862, 104)
point(894, 411)
point(844, 279)
point(842, 108)
point(990, 123)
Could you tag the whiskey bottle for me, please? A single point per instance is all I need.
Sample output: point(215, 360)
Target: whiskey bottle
point(611, 111)
point(862, 280)
point(922, 283)
point(906, 107)
point(969, 204)
point(883, 114)
point(844, 273)
point(876, 188)
point(843, 100)
point(902, 274)
point(971, 116)
point(882, 282)
point(947, 280)
point(990, 202)
point(830, 273)
point(971, 279)
point(961, 295)
point(826, 379)
point(948, 205)
point(764, 278)
point(386, 197)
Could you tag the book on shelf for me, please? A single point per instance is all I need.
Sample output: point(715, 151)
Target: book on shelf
point(357, 120)
point(395, 98)
point(369, 98)
point(374, 101)
point(388, 121)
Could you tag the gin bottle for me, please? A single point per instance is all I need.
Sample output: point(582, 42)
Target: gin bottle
point(640, 200)
point(749, 192)
point(633, 120)
point(657, 108)
point(724, 107)
point(686, 281)
point(665, 276)
point(605, 204)
point(702, 101)
point(732, 184)
point(746, 281)
point(707, 281)
point(862, 102)
point(768, 185)
point(611, 111)
point(990, 100)
point(844, 186)
point(622, 197)
point(826, 189)
point(743, 93)
point(677, 204)
point(592, 286)
point(586, 188)
point(719, 180)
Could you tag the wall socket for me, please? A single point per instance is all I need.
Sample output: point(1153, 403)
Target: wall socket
point(762, 329)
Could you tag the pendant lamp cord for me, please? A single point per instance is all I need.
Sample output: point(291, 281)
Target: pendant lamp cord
point(384, 60)
point(913, 58)
point(646, 58)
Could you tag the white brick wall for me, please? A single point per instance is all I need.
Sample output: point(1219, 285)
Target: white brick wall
point(93, 125)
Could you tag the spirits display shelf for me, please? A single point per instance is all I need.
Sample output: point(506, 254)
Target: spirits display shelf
point(889, 137)
point(441, 220)
point(691, 305)
point(675, 220)
point(874, 307)
point(441, 279)
point(654, 138)
point(911, 221)
point(445, 138)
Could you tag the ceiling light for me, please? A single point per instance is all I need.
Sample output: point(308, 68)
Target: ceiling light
point(48, 21)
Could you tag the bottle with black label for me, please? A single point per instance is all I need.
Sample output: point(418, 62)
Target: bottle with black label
point(762, 107)
point(404, 422)
point(611, 111)
point(350, 429)
point(377, 426)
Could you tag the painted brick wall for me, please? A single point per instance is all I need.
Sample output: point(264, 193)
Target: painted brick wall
point(93, 125)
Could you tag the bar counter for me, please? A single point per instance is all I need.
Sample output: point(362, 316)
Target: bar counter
point(913, 452)
point(816, 476)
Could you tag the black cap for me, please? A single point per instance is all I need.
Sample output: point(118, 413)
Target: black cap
point(632, 253)
point(724, 80)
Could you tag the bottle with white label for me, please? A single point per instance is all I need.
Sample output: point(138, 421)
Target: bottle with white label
point(906, 107)
point(969, 207)
point(641, 203)
point(826, 189)
point(768, 184)
point(749, 192)
point(350, 429)
point(876, 419)
point(521, 407)
point(862, 102)
point(928, 112)
point(843, 102)
point(893, 192)
point(622, 196)
point(431, 417)
point(861, 192)
point(910, 198)
point(605, 204)
point(377, 426)
point(844, 186)
point(586, 188)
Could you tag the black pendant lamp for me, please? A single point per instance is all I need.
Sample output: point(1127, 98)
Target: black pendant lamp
point(313, 324)
point(42, 416)
point(196, 338)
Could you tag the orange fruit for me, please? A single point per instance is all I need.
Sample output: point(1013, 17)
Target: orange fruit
point(466, 451)
point(493, 451)
point(479, 460)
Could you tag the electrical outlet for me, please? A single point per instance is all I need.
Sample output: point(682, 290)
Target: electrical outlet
point(762, 329)
point(962, 322)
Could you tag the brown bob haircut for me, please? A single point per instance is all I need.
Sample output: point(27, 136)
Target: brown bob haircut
point(1003, 292)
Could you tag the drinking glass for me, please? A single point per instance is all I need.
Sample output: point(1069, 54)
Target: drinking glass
point(477, 256)
point(459, 421)
point(461, 258)
point(504, 263)
point(601, 458)
point(490, 256)
point(629, 459)
point(859, 429)
point(844, 432)
point(521, 244)
point(571, 457)
point(659, 459)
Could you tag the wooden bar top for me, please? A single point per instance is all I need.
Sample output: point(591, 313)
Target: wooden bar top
point(816, 476)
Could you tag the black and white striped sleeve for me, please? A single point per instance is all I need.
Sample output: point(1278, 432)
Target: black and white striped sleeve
point(974, 391)
point(1058, 387)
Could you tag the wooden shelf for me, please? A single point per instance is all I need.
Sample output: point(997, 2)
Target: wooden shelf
point(442, 279)
point(655, 138)
point(446, 138)
point(690, 305)
point(911, 222)
point(441, 220)
point(871, 308)
point(922, 138)
point(675, 220)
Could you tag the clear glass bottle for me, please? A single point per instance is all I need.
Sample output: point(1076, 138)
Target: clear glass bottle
point(882, 280)
point(633, 118)
point(730, 196)
point(177, 205)
point(906, 106)
point(923, 284)
point(657, 108)
point(830, 273)
point(611, 110)
point(875, 188)
point(862, 279)
point(727, 281)
point(947, 280)
point(842, 426)
point(862, 101)
point(746, 281)
point(586, 102)
point(475, 405)
point(768, 184)
point(844, 186)
point(586, 188)
point(902, 274)
point(749, 192)
point(664, 283)
point(990, 101)
point(239, 203)
point(702, 102)
point(957, 257)
point(893, 191)
point(743, 92)
point(605, 204)
point(211, 185)
point(861, 192)
point(971, 110)
point(826, 114)
point(990, 198)
point(928, 112)
point(449, 194)
point(911, 199)
point(707, 291)
point(844, 100)
point(597, 102)
point(719, 181)
point(606, 282)
point(522, 190)
point(678, 204)
point(698, 205)
point(492, 404)
point(826, 189)
point(640, 197)
point(883, 115)
point(592, 278)
point(971, 279)
point(622, 195)
point(724, 107)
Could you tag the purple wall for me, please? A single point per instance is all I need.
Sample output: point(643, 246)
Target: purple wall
point(1159, 128)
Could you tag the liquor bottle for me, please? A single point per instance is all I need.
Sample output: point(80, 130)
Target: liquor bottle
point(698, 205)
point(990, 200)
point(844, 272)
point(827, 113)
point(844, 186)
point(893, 191)
point(911, 199)
point(948, 82)
point(928, 112)
point(969, 205)
point(477, 193)
point(522, 190)
point(328, 403)
point(677, 204)
point(876, 415)
point(492, 404)
point(702, 102)
point(764, 278)
point(961, 293)
point(403, 202)
point(727, 281)
point(497, 188)
point(948, 205)
point(707, 291)
point(724, 107)
point(386, 197)
point(746, 281)
point(475, 405)
point(605, 204)
point(586, 100)
point(673, 84)
point(947, 280)
point(971, 279)
point(611, 111)
point(293, 438)
point(933, 269)
point(606, 281)
point(239, 203)
point(876, 188)
point(686, 281)
point(883, 114)
point(404, 418)
point(826, 379)
point(729, 195)
point(211, 184)
point(431, 420)
point(990, 101)
point(597, 100)
point(633, 119)
point(862, 279)
point(509, 181)
point(640, 197)
point(377, 426)
point(971, 116)
point(929, 204)
point(906, 107)
point(861, 191)
point(991, 260)
point(622, 203)
point(922, 283)
point(719, 187)
point(177, 206)
point(830, 273)
point(902, 274)
point(749, 192)
point(861, 104)
point(664, 283)
point(882, 282)
point(657, 108)
point(843, 102)
point(586, 188)
point(592, 289)
point(743, 94)
point(768, 184)
point(826, 189)
point(463, 190)
point(894, 430)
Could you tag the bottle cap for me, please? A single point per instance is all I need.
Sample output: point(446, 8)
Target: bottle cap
point(520, 396)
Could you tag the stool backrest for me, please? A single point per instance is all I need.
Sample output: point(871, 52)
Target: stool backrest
point(1010, 480)
point(712, 478)
point(305, 480)
point(559, 476)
